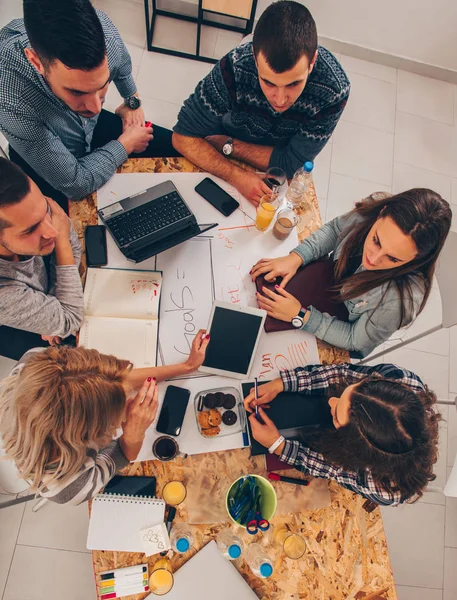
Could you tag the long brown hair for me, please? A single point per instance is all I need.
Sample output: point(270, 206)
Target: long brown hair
point(420, 213)
point(392, 431)
point(63, 401)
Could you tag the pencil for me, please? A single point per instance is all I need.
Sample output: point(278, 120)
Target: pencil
point(237, 227)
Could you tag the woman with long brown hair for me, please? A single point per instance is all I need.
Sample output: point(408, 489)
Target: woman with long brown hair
point(384, 439)
point(60, 409)
point(384, 254)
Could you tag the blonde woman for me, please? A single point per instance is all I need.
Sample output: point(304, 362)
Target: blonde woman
point(60, 409)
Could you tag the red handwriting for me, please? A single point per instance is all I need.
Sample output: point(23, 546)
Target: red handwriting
point(295, 356)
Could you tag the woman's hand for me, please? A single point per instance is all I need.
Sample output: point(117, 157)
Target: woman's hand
point(266, 393)
point(285, 267)
point(198, 351)
point(141, 412)
point(280, 304)
point(265, 433)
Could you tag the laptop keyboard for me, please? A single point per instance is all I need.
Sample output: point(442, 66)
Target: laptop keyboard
point(144, 220)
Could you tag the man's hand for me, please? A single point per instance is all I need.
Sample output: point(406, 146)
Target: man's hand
point(198, 351)
point(54, 340)
point(265, 433)
point(267, 392)
point(60, 221)
point(217, 141)
point(280, 305)
point(136, 138)
point(284, 266)
point(251, 186)
point(129, 116)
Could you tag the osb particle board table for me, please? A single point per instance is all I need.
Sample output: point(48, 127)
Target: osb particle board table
point(347, 556)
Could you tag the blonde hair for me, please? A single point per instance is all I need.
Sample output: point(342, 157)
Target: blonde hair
point(61, 402)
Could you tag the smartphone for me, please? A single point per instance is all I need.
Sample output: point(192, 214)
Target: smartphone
point(96, 253)
point(173, 410)
point(217, 197)
point(131, 486)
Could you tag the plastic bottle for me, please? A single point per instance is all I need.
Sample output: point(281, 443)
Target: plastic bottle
point(258, 561)
point(303, 174)
point(229, 544)
point(181, 538)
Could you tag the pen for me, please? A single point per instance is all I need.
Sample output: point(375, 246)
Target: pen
point(148, 124)
point(171, 515)
point(276, 477)
point(256, 393)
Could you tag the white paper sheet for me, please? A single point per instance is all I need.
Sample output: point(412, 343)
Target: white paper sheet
point(214, 266)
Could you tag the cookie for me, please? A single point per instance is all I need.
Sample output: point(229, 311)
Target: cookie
point(211, 432)
point(210, 400)
point(229, 401)
point(203, 419)
point(229, 417)
point(220, 397)
point(214, 417)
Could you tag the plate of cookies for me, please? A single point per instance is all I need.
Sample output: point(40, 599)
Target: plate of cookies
point(219, 411)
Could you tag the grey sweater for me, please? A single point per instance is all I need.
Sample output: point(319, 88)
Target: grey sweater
point(32, 300)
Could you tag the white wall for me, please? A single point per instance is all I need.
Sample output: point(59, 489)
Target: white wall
point(420, 30)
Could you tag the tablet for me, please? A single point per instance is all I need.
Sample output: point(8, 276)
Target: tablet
point(234, 336)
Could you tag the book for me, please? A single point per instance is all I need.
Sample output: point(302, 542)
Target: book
point(116, 521)
point(121, 314)
point(311, 285)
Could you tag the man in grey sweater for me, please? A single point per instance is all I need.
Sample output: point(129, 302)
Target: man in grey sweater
point(41, 297)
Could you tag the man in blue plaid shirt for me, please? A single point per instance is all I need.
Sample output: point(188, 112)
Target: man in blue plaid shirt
point(56, 65)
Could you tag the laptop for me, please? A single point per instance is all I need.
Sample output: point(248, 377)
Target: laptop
point(151, 222)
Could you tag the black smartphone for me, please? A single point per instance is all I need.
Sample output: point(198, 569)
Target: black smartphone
point(131, 486)
point(217, 197)
point(173, 410)
point(96, 253)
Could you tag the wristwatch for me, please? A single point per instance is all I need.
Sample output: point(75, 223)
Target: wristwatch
point(299, 320)
point(132, 102)
point(227, 148)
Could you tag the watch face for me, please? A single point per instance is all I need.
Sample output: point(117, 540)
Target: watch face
point(227, 148)
point(297, 322)
point(133, 102)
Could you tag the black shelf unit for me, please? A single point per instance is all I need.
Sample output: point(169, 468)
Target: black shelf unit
point(151, 12)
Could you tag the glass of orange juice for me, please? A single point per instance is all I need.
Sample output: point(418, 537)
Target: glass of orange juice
point(161, 579)
point(266, 210)
point(174, 492)
point(294, 546)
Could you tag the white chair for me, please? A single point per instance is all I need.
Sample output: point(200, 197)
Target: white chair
point(446, 275)
point(11, 483)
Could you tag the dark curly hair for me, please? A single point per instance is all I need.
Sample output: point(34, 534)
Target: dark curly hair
point(392, 432)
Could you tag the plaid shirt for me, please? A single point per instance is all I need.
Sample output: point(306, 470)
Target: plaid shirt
point(50, 137)
point(317, 379)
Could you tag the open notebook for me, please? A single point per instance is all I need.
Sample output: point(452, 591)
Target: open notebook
point(121, 314)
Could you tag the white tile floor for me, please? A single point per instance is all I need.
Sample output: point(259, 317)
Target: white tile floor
point(398, 131)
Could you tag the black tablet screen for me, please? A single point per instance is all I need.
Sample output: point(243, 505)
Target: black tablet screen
point(233, 336)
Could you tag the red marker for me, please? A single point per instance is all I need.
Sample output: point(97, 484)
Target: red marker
point(148, 124)
point(276, 477)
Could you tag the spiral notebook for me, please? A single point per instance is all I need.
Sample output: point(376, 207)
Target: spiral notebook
point(116, 521)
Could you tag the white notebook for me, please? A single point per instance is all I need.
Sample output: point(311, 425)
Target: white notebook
point(116, 521)
point(121, 314)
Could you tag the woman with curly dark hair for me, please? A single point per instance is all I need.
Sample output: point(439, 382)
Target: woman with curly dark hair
point(383, 443)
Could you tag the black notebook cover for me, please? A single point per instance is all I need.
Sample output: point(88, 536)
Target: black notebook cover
point(293, 414)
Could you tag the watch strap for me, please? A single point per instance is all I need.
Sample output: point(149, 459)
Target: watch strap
point(275, 445)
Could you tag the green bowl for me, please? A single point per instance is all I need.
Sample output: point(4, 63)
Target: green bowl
point(268, 501)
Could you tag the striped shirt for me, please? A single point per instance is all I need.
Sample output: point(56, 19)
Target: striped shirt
point(317, 379)
point(50, 137)
point(100, 465)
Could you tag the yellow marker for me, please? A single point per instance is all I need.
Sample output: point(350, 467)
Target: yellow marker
point(107, 583)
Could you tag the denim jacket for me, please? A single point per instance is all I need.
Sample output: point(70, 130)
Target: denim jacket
point(366, 327)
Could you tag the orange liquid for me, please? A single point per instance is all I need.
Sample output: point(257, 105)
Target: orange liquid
point(174, 493)
point(265, 213)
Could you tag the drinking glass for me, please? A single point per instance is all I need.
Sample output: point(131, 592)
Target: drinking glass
point(161, 579)
point(275, 178)
point(174, 492)
point(294, 546)
point(285, 223)
point(266, 211)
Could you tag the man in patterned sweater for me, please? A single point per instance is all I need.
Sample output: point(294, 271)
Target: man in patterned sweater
point(273, 102)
